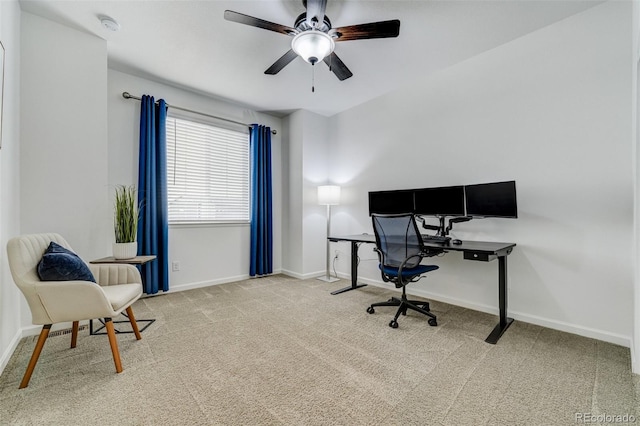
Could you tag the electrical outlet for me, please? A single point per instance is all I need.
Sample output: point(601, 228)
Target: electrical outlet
point(175, 266)
point(337, 255)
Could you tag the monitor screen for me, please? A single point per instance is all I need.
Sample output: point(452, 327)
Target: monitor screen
point(496, 199)
point(443, 201)
point(391, 202)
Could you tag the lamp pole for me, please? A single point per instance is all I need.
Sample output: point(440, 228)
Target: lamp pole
point(329, 195)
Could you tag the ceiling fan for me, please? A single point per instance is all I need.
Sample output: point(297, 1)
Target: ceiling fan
point(313, 37)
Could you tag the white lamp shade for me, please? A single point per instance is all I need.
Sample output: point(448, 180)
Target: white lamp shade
point(312, 45)
point(329, 195)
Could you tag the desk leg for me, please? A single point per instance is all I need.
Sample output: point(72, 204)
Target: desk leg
point(505, 321)
point(354, 270)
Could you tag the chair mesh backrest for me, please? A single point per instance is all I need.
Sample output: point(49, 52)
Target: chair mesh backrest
point(397, 237)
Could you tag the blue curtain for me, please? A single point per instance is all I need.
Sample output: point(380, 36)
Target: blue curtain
point(153, 227)
point(261, 261)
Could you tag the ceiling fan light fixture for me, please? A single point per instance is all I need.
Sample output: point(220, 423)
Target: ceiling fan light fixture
point(313, 45)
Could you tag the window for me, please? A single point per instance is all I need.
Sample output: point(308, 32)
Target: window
point(207, 173)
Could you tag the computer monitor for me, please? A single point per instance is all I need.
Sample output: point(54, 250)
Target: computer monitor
point(442, 201)
point(496, 199)
point(390, 202)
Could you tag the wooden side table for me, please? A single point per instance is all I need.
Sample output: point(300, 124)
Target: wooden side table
point(138, 260)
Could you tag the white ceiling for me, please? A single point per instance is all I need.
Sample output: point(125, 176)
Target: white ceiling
point(188, 44)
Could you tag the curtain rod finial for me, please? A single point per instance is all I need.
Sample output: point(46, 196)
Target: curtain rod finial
point(126, 95)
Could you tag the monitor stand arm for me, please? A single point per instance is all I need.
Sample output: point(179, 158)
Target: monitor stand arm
point(440, 228)
point(454, 220)
point(425, 225)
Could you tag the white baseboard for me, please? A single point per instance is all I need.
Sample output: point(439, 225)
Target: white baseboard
point(303, 276)
point(13, 344)
point(190, 286)
point(592, 333)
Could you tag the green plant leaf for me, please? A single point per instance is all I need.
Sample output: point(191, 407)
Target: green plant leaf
point(126, 214)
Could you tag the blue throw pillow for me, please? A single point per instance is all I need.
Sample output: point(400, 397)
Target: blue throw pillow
point(61, 264)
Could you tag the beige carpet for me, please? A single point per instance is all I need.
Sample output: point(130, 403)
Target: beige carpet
point(282, 351)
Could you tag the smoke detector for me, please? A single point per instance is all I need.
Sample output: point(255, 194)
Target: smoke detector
point(109, 23)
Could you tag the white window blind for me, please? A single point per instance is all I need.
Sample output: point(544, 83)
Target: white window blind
point(207, 173)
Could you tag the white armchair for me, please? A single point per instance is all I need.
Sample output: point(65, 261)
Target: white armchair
point(119, 285)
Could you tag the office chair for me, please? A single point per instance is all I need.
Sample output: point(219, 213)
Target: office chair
point(115, 289)
point(399, 248)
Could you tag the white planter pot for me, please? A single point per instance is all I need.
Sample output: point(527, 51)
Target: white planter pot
point(125, 250)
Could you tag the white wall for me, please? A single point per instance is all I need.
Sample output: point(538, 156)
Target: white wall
point(64, 135)
point(550, 110)
point(10, 297)
point(315, 159)
point(292, 192)
point(307, 159)
point(207, 254)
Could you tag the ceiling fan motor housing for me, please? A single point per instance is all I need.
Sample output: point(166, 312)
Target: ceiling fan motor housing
point(302, 25)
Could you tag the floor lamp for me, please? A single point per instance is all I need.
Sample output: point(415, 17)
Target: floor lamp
point(328, 195)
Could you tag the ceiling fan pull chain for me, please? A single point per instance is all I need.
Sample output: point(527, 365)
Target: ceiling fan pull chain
point(313, 78)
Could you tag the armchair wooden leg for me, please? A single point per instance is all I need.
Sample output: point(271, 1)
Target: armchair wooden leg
point(133, 322)
point(114, 344)
point(34, 357)
point(74, 334)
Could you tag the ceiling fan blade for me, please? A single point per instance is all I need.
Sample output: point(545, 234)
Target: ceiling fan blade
point(281, 63)
point(240, 18)
point(337, 66)
point(382, 29)
point(315, 12)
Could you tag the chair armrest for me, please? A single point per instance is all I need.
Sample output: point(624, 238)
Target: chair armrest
point(115, 273)
point(73, 300)
point(404, 263)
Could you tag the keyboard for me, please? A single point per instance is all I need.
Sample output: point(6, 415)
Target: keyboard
point(435, 239)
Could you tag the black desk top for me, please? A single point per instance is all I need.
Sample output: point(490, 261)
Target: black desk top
point(491, 247)
point(358, 238)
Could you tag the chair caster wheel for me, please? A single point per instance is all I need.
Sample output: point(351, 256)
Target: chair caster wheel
point(393, 324)
point(370, 309)
point(433, 322)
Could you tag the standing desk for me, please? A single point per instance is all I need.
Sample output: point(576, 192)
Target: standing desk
point(482, 251)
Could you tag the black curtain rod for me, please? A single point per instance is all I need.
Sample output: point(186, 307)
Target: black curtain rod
point(128, 95)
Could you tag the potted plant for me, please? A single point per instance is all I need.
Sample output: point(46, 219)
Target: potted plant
point(125, 222)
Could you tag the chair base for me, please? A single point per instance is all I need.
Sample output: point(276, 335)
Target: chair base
point(403, 304)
